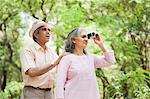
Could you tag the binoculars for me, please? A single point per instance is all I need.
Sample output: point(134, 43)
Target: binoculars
point(92, 35)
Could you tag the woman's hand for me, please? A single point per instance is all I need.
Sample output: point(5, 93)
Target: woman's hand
point(98, 40)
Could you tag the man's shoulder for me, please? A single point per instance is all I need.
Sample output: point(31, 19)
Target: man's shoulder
point(27, 48)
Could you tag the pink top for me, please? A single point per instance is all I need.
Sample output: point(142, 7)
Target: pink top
point(33, 56)
point(76, 77)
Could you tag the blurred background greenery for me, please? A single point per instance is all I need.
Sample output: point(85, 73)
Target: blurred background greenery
point(123, 24)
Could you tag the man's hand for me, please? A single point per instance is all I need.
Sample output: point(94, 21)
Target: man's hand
point(59, 58)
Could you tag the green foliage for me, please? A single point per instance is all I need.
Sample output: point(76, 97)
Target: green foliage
point(3, 95)
point(10, 25)
point(13, 90)
point(72, 17)
point(131, 85)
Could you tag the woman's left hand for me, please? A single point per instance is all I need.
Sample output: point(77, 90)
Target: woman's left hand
point(98, 40)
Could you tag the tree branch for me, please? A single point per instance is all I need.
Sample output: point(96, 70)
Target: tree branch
point(43, 12)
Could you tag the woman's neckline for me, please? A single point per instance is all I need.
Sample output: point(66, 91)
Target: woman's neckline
point(78, 55)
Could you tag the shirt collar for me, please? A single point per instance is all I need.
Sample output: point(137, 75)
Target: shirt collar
point(38, 47)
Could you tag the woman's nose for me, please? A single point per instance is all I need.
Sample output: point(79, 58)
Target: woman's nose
point(86, 38)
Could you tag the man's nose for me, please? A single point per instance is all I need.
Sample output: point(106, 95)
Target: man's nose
point(47, 31)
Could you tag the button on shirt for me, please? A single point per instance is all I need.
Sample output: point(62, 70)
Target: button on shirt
point(33, 56)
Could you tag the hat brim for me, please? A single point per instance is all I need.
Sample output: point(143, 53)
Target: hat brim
point(36, 26)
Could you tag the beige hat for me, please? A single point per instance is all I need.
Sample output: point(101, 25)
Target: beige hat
point(36, 25)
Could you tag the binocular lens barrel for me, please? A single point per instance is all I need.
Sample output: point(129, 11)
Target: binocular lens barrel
point(92, 35)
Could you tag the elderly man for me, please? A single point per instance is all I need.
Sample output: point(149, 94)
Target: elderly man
point(38, 62)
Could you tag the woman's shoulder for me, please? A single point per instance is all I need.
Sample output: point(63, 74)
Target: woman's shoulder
point(67, 59)
point(69, 56)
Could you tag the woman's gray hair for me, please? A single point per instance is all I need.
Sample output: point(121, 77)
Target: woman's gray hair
point(69, 45)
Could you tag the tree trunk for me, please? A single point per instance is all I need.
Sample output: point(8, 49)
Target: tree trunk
point(104, 87)
point(4, 80)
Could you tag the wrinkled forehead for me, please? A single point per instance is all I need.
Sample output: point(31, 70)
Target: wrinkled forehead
point(42, 27)
point(46, 26)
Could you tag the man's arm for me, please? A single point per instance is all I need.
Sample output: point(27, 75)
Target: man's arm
point(39, 70)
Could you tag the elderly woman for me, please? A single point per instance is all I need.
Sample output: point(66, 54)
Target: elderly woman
point(76, 77)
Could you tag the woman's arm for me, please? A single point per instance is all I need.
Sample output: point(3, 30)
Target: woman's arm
point(62, 76)
point(108, 58)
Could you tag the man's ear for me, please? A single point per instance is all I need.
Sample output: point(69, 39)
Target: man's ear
point(35, 34)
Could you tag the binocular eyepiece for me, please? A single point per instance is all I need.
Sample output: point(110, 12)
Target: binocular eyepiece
point(92, 35)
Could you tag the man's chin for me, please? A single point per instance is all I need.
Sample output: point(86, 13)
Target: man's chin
point(46, 40)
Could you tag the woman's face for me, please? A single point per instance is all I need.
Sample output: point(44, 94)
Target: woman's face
point(81, 40)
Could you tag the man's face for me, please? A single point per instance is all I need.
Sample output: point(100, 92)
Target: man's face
point(43, 34)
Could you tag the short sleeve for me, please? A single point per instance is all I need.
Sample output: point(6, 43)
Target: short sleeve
point(27, 60)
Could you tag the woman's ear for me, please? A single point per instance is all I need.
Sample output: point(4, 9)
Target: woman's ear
point(73, 40)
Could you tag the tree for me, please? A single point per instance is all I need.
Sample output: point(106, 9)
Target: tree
point(10, 24)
